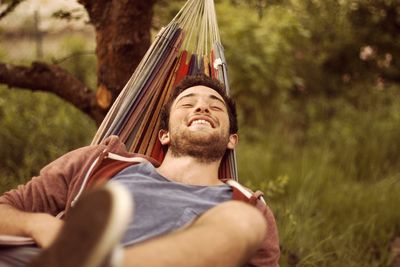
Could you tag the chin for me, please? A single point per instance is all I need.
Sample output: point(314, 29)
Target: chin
point(201, 136)
point(201, 130)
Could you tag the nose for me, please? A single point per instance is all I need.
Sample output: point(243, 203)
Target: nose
point(202, 107)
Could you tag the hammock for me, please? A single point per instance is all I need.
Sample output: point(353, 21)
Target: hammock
point(189, 45)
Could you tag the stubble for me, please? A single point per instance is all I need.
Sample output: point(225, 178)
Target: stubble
point(205, 148)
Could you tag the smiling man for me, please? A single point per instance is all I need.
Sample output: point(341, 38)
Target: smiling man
point(184, 214)
point(198, 125)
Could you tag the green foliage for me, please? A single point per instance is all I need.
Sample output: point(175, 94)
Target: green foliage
point(165, 11)
point(319, 99)
point(36, 129)
point(257, 51)
point(300, 50)
point(334, 198)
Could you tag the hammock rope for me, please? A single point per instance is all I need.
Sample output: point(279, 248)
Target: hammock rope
point(189, 44)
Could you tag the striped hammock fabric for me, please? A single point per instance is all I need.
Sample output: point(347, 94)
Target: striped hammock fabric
point(189, 45)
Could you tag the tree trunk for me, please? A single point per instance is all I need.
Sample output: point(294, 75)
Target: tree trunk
point(122, 38)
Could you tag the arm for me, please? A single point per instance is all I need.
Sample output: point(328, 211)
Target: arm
point(41, 227)
point(51, 191)
point(58, 182)
point(269, 253)
point(29, 210)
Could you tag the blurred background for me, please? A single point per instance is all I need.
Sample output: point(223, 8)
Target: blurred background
point(317, 85)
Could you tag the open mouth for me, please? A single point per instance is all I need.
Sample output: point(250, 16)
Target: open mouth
point(201, 122)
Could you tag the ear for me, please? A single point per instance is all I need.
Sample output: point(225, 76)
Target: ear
point(233, 140)
point(163, 136)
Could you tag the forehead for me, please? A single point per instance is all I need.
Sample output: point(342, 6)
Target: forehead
point(200, 91)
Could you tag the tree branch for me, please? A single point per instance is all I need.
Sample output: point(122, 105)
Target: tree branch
point(10, 8)
point(76, 54)
point(51, 78)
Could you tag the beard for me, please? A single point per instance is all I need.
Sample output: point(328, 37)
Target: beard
point(205, 149)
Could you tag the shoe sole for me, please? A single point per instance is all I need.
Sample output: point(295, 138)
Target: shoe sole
point(92, 229)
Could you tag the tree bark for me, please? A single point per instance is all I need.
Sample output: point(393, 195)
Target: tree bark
point(122, 37)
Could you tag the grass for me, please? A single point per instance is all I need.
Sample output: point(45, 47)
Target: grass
point(333, 185)
point(325, 216)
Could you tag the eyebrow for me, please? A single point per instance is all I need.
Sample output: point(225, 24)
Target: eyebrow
point(210, 96)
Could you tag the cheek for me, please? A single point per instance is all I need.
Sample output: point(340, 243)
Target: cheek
point(225, 120)
point(176, 117)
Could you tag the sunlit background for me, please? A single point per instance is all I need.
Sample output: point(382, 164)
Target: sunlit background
point(317, 84)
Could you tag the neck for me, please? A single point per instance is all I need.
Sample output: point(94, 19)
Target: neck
point(189, 170)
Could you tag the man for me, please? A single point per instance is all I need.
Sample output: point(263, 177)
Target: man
point(184, 214)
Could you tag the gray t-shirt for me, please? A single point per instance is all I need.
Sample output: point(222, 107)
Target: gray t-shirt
point(162, 205)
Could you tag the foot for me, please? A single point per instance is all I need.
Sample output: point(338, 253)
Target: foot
point(91, 231)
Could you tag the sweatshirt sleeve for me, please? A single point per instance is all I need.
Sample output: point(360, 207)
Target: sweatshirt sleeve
point(48, 191)
point(269, 252)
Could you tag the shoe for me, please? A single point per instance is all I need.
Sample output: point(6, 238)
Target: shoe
point(91, 231)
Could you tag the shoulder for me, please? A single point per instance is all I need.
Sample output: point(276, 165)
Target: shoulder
point(243, 193)
point(269, 252)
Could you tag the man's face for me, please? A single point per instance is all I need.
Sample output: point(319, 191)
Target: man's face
point(199, 125)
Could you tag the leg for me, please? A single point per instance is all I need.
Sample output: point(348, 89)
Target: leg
point(226, 235)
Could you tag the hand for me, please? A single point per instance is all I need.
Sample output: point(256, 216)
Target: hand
point(44, 228)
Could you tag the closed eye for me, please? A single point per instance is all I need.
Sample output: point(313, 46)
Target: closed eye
point(217, 108)
point(187, 105)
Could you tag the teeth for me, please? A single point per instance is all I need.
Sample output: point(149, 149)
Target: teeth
point(200, 122)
